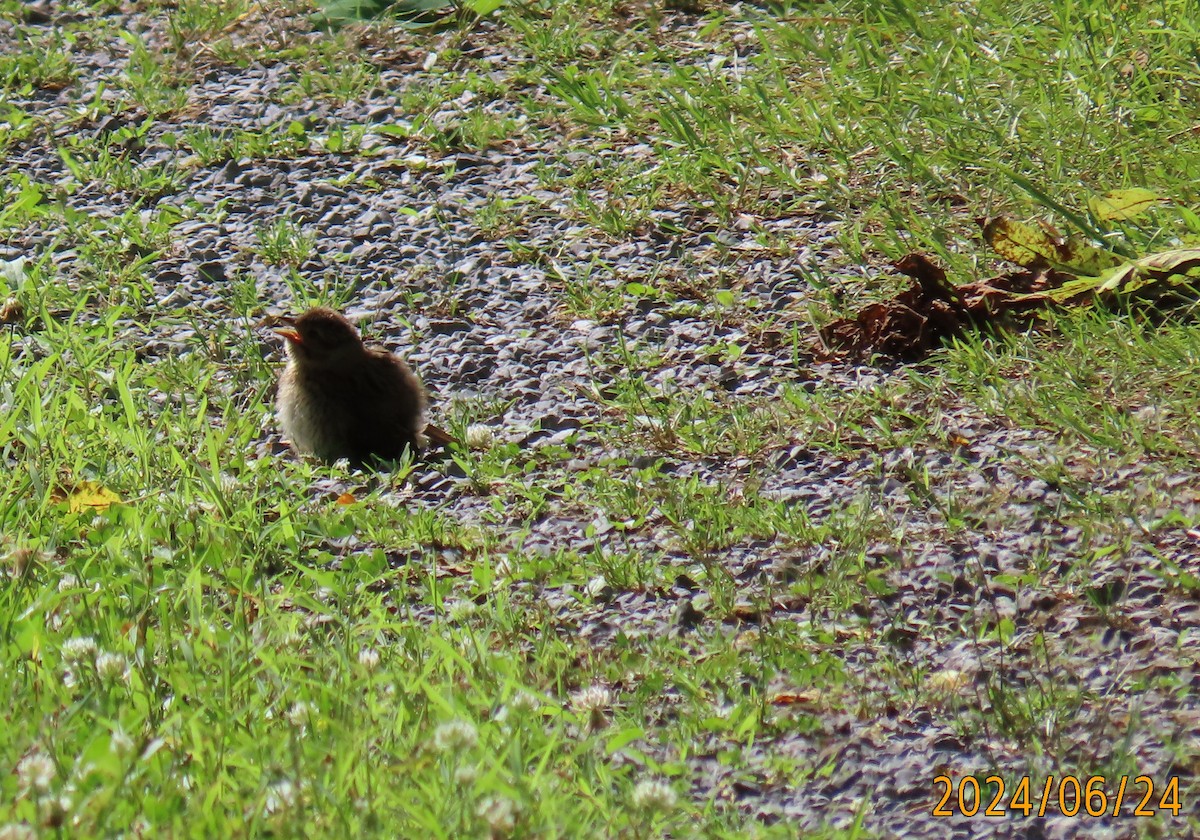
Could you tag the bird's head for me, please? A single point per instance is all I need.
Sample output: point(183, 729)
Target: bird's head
point(322, 337)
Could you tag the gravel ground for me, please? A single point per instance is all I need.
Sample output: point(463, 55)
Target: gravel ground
point(494, 328)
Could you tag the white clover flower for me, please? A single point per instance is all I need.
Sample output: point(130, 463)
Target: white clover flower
point(465, 775)
point(301, 713)
point(369, 658)
point(111, 667)
point(524, 701)
point(457, 611)
point(594, 701)
point(67, 581)
point(36, 771)
point(654, 795)
point(518, 706)
point(198, 510)
point(230, 484)
point(479, 436)
point(17, 831)
point(280, 795)
point(120, 742)
point(79, 649)
point(499, 812)
point(594, 698)
point(52, 810)
point(455, 736)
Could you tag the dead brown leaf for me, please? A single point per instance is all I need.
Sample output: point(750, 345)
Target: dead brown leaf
point(918, 320)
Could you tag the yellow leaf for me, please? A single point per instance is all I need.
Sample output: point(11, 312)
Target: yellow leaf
point(91, 495)
point(1175, 272)
point(1035, 247)
point(1165, 266)
point(1123, 204)
point(12, 312)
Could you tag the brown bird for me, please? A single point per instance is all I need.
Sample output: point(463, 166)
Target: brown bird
point(341, 399)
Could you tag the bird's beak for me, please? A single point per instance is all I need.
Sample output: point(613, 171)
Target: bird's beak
point(289, 333)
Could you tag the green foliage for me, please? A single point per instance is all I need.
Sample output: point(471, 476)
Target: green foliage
point(409, 13)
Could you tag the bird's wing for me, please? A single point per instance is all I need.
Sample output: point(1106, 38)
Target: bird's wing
point(437, 436)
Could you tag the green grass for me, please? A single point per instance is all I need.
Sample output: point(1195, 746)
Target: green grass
point(285, 243)
point(254, 645)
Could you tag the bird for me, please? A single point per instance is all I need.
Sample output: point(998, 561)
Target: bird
point(339, 398)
